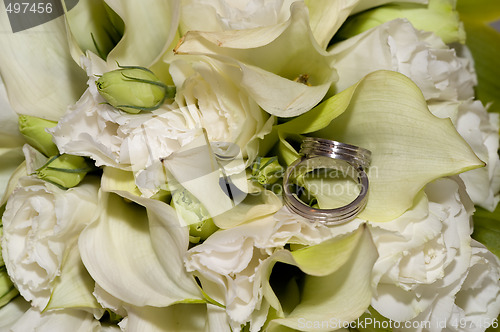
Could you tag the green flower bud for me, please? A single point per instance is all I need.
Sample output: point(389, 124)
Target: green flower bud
point(33, 130)
point(189, 208)
point(64, 170)
point(133, 89)
point(7, 289)
point(267, 170)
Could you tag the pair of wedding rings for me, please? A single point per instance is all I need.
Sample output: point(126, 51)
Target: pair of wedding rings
point(317, 154)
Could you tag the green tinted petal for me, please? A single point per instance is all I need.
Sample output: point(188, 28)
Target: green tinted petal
point(340, 296)
point(439, 17)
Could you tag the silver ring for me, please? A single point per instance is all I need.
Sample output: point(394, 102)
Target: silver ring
point(319, 153)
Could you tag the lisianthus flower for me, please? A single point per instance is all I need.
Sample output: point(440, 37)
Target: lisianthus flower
point(397, 45)
point(480, 129)
point(40, 224)
point(422, 272)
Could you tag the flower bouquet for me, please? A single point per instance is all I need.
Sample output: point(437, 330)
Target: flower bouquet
point(176, 165)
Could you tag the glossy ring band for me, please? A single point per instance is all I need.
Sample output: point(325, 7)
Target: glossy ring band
point(319, 153)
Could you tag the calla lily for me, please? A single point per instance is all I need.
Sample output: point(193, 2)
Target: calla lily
point(326, 17)
point(11, 141)
point(94, 27)
point(64, 320)
point(25, 59)
point(156, 19)
point(439, 16)
point(402, 164)
point(336, 288)
point(286, 84)
point(138, 245)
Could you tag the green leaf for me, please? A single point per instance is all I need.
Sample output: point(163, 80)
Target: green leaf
point(479, 10)
point(487, 228)
point(484, 44)
point(410, 147)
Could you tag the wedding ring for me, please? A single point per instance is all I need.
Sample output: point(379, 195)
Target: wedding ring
point(319, 153)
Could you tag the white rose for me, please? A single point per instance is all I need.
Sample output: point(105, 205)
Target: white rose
point(40, 223)
point(480, 129)
point(424, 256)
point(398, 46)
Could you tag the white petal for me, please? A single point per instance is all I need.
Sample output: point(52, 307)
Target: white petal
point(135, 253)
point(25, 61)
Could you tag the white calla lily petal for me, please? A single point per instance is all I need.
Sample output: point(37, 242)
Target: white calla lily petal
point(62, 320)
point(326, 17)
point(27, 57)
point(338, 297)
point(155, 19)
point(11, 312)
point(273, 81)
point(410, 147)
point(136, 259)
point(178, 317)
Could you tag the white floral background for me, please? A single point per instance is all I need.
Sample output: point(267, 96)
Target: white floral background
point(113, 221)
